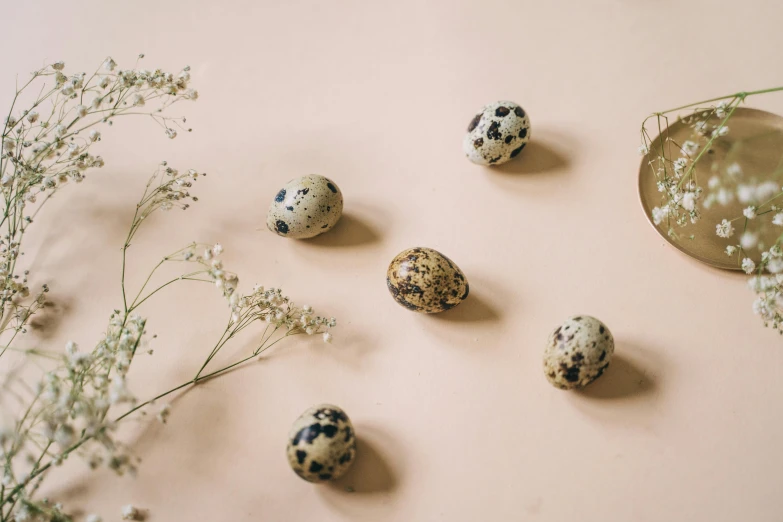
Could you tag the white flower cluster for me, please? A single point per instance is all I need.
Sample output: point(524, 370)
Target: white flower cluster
point(167, 189)
point(675, 180)
point(728, 184)
point(261, 304)
point(43, 511)
point(48, 144)
point(70, 408)
point(769, 299)
point(83, 395)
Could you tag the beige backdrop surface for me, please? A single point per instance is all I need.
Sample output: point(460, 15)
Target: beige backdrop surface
point(455, 418)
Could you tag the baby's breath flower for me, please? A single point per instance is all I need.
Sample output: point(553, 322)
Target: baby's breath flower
point(680, 164)
point(746, 193)
point(690, 148)
point(748, 240)
point(659, 214)
point(774, 265)
point(734, 170)
point(164, 412)
point(724, 229)
point(749, 212)
point(720, 131)
point(131, 512)
point(748, 265)
point(720, 109)
point(689, 201)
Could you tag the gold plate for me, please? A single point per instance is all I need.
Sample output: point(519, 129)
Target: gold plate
point(755, 144)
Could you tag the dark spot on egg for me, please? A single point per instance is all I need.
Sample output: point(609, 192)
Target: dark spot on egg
point(445, 305)
point(281, 227)
point(493, 132)
point(509, 139)
point(519, 112)
point(517, 150)
point(280, 196)
point(474, 122)
point(502, 111)
point(301, 455)
point(571, 373)
point(478, 143)
point(523, 132)
point(331, 187)
point(315, 467)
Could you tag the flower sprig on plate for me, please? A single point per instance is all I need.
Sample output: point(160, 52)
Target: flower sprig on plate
point(684, 196)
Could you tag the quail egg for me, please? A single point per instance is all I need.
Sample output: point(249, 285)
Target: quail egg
point(578, 352)
point(321, 444)
point(424, 280)
point(497, 133)
point(305, 207)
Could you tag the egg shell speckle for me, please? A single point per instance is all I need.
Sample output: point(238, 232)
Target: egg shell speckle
point(578, 352)
point(305, 207)
point(424, 280)
point(497, 133)
point(321, 444)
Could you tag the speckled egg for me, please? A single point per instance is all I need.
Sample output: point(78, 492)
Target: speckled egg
point(578, 352)
point(322, 444)
point(305, 207)
point(497, 133)
point(424, 280)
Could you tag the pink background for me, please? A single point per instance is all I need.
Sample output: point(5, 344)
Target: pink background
point(455, 418)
